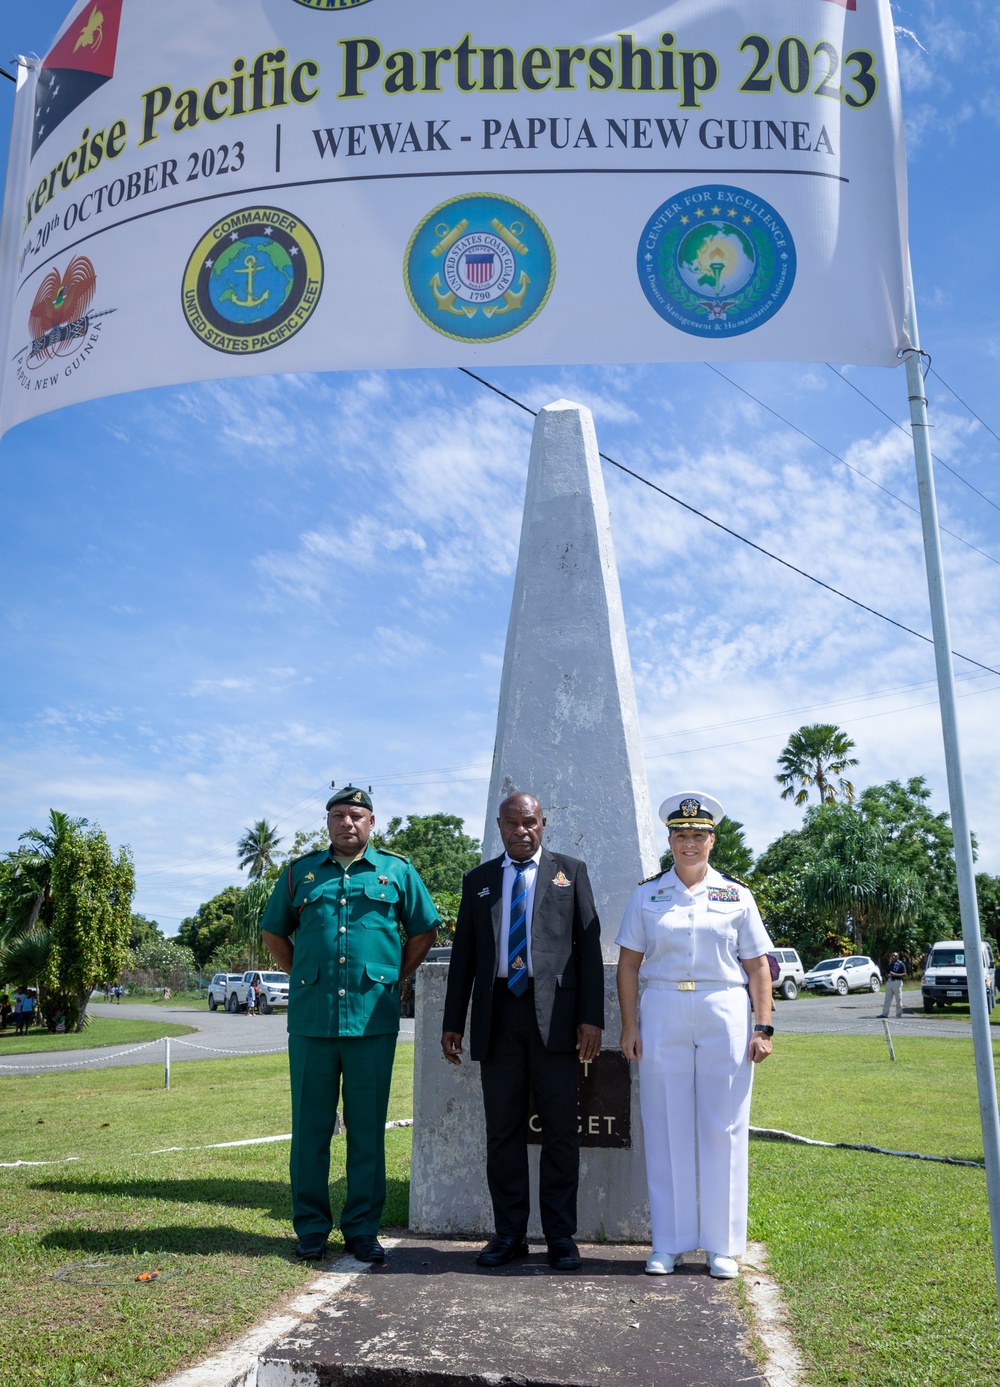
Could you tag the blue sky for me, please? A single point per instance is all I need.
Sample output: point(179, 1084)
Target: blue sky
point(220, 597)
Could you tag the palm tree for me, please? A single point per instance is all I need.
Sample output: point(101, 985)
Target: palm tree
point(257, 847)
point(247, 914)
point(854, 879)
point(27, 876)
point(812, 755)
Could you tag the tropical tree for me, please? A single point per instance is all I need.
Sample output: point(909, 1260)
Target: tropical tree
point(92, 892)
point(257, 848)
point(26, 891)
point(811, 757)
point(855, 881)
point(730, 853)
point(247, 914)
point(436, 844)
point(212, 927)
point(988, 893)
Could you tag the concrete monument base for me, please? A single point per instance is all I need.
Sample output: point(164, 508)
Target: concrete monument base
point(449, 1142)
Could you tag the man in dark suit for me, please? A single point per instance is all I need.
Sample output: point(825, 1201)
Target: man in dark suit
point(528, 951)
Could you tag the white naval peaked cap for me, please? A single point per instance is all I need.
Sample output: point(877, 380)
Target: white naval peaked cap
point(693, 809)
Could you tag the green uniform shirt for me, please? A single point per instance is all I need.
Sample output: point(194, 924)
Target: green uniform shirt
point(345, 974)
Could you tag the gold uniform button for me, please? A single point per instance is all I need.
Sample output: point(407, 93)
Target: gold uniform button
point(342, 993)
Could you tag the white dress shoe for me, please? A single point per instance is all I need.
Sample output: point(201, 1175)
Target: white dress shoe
point(662, 1263)
point(723, 1267)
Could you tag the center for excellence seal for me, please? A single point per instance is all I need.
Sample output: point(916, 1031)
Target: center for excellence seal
point(253, 281)
point(479, 267)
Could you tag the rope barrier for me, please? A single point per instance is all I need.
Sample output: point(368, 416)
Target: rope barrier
point(775, 1134)
point(75, 1064)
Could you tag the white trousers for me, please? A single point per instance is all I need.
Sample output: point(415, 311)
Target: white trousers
point(694, 1088)
point(893, 989)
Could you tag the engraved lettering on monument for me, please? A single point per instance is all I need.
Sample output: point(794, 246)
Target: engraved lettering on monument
point(605, 1104)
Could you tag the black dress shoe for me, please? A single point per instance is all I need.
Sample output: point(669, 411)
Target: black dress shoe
point(311, 1247)
point(365, 1248)
point(564, 1255)
point(501, 1249)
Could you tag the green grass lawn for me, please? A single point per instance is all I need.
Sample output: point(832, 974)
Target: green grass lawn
point(99, 1030)
point(155, 999)
point(884, 1264)
point(222, 1216)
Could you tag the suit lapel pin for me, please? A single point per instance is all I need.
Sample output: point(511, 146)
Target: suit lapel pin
point(561, 880)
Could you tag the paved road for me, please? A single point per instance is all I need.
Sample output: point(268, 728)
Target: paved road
point(859, 1014)
point(219, 1035)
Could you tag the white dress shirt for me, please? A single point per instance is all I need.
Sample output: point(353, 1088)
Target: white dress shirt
point(696, 934)
point(530, 875)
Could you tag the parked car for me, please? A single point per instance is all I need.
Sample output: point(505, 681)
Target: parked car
point(790, 973)
point(218, 989)
point(273, 991)
point(945, 978)
point(859, 973)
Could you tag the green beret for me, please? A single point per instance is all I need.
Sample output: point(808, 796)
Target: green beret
point(350, 794)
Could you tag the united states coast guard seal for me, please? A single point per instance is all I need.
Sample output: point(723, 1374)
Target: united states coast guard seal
point(716, 261)
point(479, 268)
point(253, 281)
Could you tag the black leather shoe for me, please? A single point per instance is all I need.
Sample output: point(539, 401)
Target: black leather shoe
point(311, 1247)
point(365, 1248)
point(501, 1249)
point(564, 1255)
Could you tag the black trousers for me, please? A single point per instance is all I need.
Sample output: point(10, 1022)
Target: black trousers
point(517, 1065)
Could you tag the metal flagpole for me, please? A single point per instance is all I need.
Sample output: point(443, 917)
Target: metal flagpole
point(965, 868)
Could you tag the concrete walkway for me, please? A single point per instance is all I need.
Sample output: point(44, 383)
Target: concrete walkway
point(431, 1317)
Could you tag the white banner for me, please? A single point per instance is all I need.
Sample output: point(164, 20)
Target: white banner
point(210, 188)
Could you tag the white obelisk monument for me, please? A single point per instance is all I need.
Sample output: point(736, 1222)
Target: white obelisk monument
point(567, 731)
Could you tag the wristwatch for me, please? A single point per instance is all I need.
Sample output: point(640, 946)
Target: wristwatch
point(765, 1030)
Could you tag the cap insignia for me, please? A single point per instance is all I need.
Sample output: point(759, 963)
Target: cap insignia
point(690, 808)
point(358, 797)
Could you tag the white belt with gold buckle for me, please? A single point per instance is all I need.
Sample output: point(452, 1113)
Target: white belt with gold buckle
point(685, 987)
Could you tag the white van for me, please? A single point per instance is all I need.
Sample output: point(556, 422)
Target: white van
point(945, 979)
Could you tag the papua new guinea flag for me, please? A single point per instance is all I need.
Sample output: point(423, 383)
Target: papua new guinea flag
point(81, 61)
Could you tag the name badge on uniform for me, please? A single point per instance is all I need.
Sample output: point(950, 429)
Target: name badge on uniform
point(664, 894)
point(723, 893)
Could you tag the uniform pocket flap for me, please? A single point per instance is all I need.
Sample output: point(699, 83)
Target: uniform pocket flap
point(386, 891)
point(304, 977)
point(381, 972)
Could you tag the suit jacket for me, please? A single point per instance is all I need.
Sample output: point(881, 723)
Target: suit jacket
point(566, 957)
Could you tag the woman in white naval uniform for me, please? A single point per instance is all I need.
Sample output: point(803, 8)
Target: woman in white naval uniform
point(696, 939)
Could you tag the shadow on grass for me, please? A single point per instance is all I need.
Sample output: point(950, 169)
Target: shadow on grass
point(272, 1197)
point(186, 1241)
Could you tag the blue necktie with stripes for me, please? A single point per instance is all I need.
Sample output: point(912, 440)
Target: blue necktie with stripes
point(517, 939)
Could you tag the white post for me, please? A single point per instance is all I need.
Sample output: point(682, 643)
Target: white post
point(888, 1039)
point(166, 1061)
point(964, 865)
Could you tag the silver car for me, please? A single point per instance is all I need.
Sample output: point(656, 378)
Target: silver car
point(859, 973)
point(218, 989)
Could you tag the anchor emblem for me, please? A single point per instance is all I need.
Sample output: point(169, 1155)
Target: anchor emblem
point(251, 267)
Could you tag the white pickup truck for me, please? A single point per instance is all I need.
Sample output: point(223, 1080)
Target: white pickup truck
point(273, 991)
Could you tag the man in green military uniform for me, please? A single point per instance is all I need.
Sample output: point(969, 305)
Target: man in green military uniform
point(346, 909)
